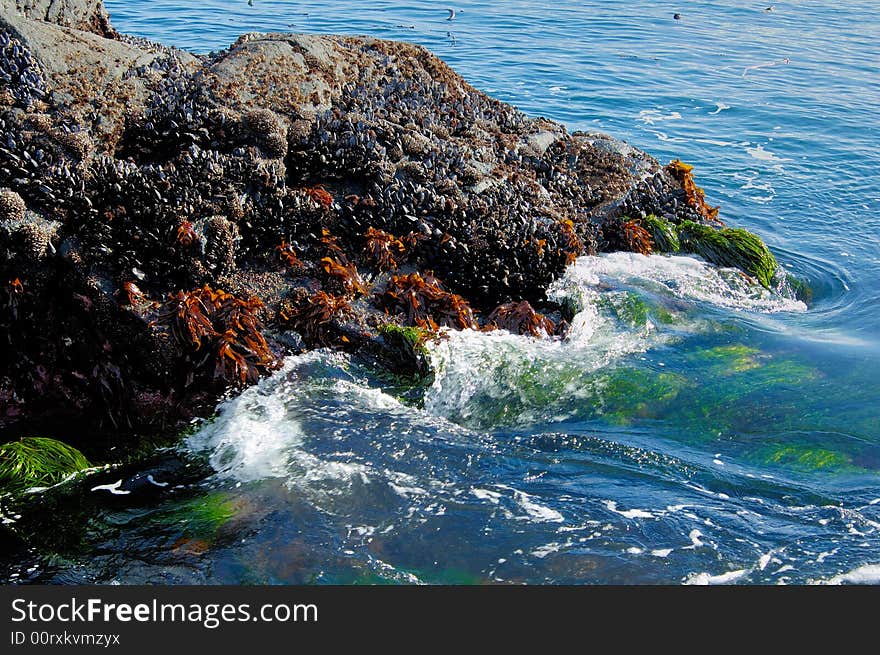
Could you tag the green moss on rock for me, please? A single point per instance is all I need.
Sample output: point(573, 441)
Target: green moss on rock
point(37, 462)
point(415, 337)
point(733, 247)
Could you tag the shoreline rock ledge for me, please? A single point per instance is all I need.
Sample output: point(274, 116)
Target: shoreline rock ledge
point(172, 225)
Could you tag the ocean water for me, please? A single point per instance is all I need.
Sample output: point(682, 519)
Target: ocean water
point(693, 429)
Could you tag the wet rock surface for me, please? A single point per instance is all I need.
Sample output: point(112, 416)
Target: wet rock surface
point(173, 225)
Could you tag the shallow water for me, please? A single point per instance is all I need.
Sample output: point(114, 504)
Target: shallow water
point(693, 429)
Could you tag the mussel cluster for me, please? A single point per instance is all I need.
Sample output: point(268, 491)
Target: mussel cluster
point(22, 77)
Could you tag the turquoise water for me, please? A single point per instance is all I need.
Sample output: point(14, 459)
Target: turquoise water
point(693, 429)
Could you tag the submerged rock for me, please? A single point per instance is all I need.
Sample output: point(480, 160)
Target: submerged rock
point(178, 223)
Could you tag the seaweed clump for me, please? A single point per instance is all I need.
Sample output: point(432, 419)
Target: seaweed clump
point(626, 234)
point(37, 462)
point(521, 318)
point(663, 234)
point(425, 303)
point(213, 326)
point(313, 315)
point(694, 195)
point(733, 247)
point(383, 249)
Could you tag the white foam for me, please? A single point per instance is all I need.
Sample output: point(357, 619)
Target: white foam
point(497, 377)
point(759, 153)
point(694, 536)
point(661, 552)
point(535, 511)
point(543, 551)
point(652, 116)
point(722, 578)
point(630, 513)
point(689, 278)
point(719, 107)
point(821, 557)
point(867, 574)
point(484, 494)
point(259, 435)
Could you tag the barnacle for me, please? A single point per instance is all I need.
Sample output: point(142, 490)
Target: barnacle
point(695, 196)
point(12, 206)
point(521, 318)
point(268, 130)
point(426, 303)
point(383, 249)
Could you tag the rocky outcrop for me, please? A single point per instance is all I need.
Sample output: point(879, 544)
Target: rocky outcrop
point(174, 224)
point(85, 15)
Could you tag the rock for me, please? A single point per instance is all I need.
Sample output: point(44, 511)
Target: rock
point(174, 224)
point(86, 15)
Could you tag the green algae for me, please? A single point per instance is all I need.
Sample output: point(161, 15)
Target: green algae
point(664, 236)
point(634, 310)
point(629, 308)
point(799, 288)
point(627, 393)
point(730, 247)
point(37, 462)
point(725, 360)
point(803, 457)
point(204, 517)
point(416, 337)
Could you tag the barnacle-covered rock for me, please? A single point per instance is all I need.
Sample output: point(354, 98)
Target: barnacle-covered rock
point(268, 131)
point(221, 236)
point(32, 240)
point(12, 207)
